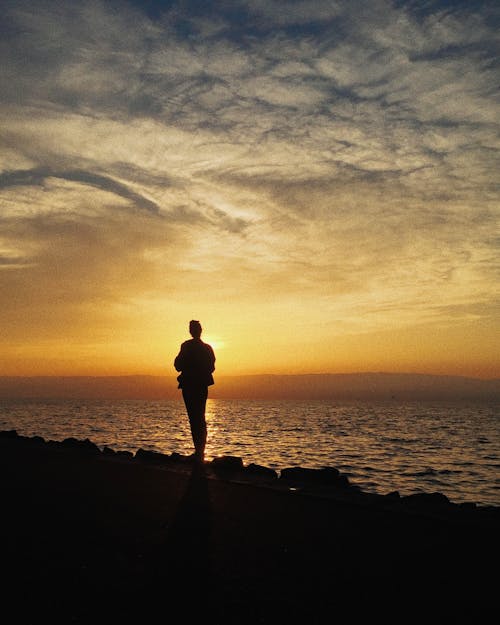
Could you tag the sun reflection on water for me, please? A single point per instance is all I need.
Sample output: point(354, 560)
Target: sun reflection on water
point(211, 417)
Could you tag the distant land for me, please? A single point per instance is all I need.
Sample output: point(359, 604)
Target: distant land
point(349, 386)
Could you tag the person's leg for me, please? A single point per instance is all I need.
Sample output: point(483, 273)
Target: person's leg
point(195, 401)
point(199, 425)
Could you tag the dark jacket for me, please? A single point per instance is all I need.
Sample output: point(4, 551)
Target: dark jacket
point(196, 362)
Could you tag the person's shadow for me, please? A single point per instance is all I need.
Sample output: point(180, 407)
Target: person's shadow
point(181, 576)
point(187, 542)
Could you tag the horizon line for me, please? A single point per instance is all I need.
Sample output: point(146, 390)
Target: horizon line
point(249, 375)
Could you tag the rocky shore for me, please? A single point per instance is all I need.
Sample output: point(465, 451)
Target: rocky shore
point(95, 535)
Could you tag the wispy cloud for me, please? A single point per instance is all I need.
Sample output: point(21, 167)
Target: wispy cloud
point(39, 175)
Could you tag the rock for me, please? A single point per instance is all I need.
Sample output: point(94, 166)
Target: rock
point(342, 481)
point(9, 434)
point(151, 457)
point(393, 495)
point(259, 470)
point(178, 458)
point(70, 442)
point(108, 451)
point(125, 454)
point(227, 464)
point(468, 505)
point(326, 476)
point(426, 499)
point(86, 445)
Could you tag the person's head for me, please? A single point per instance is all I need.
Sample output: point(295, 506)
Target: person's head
point(195, 329)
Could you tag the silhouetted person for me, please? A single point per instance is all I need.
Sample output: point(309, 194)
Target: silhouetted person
point(196, 362)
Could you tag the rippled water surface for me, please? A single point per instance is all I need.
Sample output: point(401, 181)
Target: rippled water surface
point(454, 449)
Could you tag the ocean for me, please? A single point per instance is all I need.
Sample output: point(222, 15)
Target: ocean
point(411, 447)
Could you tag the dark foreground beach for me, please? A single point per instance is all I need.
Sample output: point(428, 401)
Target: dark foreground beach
point(92, 536)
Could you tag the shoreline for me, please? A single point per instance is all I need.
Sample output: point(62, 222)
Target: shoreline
point(93, 534)
point(327, 482)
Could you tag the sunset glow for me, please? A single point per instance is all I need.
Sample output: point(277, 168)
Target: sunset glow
point(318, 185)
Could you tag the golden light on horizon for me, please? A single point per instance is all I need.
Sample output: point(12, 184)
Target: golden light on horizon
point(216, 343)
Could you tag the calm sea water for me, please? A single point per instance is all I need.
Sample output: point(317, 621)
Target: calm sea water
point(412, 447)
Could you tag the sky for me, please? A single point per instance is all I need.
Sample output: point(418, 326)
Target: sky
point(316, 182)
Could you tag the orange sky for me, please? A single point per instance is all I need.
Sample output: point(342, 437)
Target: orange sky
point(320, 204)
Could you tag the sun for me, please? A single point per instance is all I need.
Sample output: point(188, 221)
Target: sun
point(216, 342)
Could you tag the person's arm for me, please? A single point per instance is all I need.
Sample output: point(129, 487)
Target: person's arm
point(179, 360)
point(212, 359)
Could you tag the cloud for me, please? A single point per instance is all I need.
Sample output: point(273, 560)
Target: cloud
point(292, 13)
point(343, 152)
point(105, 183)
